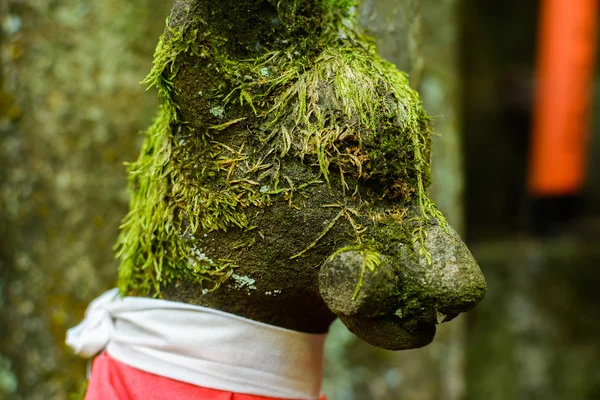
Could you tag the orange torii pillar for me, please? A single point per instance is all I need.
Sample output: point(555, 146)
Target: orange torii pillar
point(564, 83)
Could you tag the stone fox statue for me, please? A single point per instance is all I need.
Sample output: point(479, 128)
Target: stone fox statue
point(282, 185)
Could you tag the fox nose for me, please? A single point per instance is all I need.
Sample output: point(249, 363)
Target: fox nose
point(449, 281)
point(362, 282)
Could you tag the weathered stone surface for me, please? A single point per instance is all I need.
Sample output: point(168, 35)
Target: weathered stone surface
point(404, 295)
point(450, 283)
point(349, 288)
point(390, 333)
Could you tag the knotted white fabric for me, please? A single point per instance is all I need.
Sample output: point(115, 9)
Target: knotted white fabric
point(202, 346)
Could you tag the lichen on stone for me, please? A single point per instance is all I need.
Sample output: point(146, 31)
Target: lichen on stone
point(241, 282)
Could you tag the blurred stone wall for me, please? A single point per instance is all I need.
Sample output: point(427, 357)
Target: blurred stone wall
point(535, 336)
point(71, 109)
point(421, 37)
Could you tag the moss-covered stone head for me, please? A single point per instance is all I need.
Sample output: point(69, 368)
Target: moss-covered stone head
point(285, 178)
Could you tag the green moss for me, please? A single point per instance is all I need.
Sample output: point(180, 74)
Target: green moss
point(165, 209)
point(320, 95)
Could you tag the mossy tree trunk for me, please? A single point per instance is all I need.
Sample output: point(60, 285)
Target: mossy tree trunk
point(71, 109)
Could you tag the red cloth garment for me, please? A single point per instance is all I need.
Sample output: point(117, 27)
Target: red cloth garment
point(199, 346)
point(113, 380)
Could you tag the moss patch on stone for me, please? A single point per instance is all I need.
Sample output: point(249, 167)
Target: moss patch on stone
point(313, 91)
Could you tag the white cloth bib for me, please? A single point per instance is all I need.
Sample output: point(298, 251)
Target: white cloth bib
point(202, 346)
